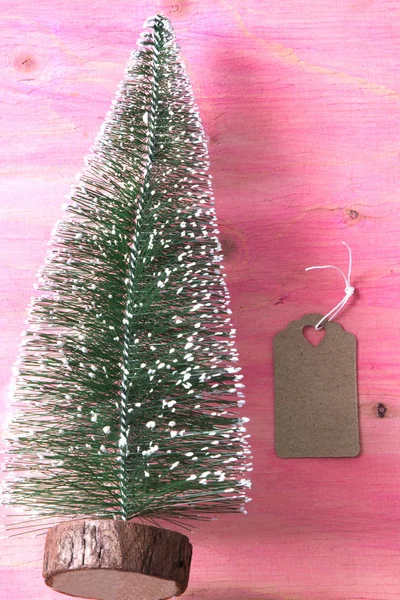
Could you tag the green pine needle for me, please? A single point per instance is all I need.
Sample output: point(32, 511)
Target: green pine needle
point(127, 387)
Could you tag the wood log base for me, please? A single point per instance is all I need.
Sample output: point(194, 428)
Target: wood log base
point(116, 560)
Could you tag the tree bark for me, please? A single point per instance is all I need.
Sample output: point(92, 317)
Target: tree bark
point(116, 560)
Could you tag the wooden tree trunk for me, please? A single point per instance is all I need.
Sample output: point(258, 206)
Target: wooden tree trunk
point(116, 560)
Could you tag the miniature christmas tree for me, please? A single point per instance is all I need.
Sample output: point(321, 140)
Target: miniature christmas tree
point(128, 381)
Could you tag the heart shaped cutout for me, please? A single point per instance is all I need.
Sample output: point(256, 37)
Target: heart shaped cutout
point(313, 336)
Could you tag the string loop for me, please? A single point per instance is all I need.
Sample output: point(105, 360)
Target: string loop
point(349, 289)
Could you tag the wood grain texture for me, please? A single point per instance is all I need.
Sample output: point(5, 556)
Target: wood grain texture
point(116, 560)
point(301, 103)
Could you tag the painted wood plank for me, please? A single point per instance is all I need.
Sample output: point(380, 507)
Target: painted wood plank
point(301, 103)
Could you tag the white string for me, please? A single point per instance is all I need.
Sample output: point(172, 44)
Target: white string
point(349, 290)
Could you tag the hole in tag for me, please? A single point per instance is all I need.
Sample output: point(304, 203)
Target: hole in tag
point(313, 336)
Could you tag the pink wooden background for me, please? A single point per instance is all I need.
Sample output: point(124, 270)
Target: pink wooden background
point(301, 103)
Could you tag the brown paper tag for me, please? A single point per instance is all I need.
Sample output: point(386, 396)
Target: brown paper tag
point(315, 387)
